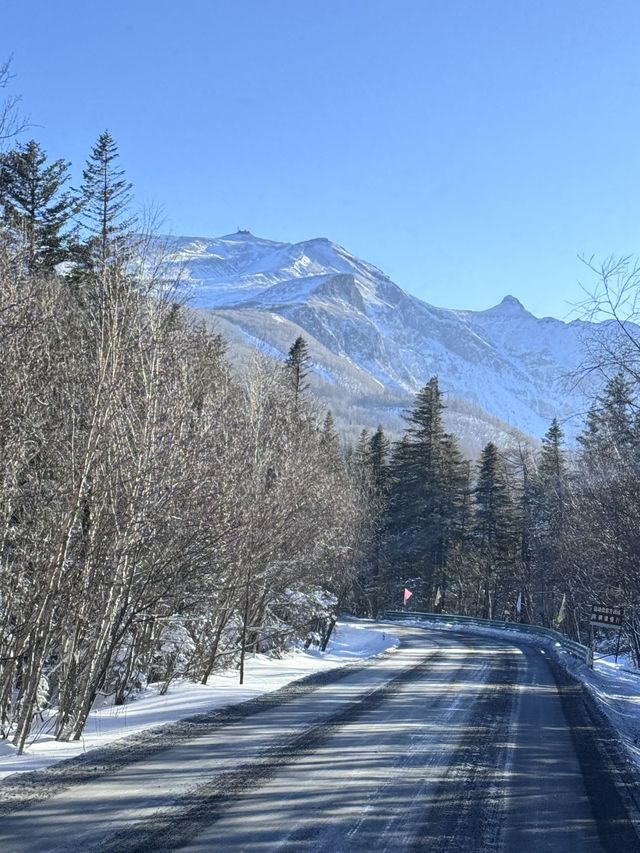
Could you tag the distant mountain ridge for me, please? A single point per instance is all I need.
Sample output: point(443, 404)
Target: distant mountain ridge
point(503, 360)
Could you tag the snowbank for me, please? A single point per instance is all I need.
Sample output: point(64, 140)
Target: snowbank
point(350, 642)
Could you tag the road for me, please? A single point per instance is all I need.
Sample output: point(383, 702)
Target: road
point(452, 743)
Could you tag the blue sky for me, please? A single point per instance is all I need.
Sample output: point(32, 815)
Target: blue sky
point(469, 149)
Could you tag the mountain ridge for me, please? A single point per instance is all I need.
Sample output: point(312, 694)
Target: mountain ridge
point(502, 359)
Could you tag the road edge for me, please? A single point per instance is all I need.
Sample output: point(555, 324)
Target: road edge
point(24, 789)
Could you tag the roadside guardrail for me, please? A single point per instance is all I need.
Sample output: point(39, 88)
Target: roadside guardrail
point(583, 653)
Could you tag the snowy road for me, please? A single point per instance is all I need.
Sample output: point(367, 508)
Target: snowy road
point(453, 743)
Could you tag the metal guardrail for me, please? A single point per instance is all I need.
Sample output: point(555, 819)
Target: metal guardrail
point(583, 653)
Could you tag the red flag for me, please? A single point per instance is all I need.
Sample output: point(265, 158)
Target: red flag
point(407, 594)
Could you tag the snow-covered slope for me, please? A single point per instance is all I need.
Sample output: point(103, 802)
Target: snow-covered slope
point(516, 367)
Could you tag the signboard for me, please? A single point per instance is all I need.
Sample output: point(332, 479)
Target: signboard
point(611, 616)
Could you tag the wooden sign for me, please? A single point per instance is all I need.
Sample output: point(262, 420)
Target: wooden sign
point(606, 616)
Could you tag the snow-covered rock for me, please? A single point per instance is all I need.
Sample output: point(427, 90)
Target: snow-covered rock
point(515, 366)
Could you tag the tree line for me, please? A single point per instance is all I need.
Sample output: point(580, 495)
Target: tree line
point(160, 514)
point(528, 536)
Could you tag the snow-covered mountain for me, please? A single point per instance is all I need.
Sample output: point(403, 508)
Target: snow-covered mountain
point(370, 336)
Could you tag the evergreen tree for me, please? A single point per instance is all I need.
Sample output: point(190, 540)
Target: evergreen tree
point(378, 452)
point(552, 481)
point(330, 442)
point(546, 522)
point(611, 428)
point(298, 365)
point(493, 523)
point(426, 422)
point(369, 470)
point(329, 439)
point(104, 200)
point(424, 496)
point(361, 452)
point(358, 461)
point(369, 462)
point(459, 590)
point(553, 464)
point(492, 500)
point(454, 500)
point(34, 206)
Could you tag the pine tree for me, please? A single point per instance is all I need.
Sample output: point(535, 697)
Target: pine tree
point(369, 470)
point(549, 488)
point(369, 462)
point(298, 365)
point(426, 421)
point(552, 480)
point(105, 201)
point(330, 442)
point(361, 452)
point(424, 496)
point(492, 500)
point(34, 205)
point(378, 451)
point(553, 465)
point(611, 428)
point(329, 439)
point(454, 497)
point(357, 459)
point(493, 522)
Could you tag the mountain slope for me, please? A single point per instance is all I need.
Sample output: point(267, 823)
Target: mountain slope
point(373, 337)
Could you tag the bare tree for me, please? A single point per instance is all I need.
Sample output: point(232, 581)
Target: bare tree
point(12, 121)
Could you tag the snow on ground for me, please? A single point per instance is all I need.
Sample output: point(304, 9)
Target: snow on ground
point(617, 691)
point(350, 642)
point(615, 687)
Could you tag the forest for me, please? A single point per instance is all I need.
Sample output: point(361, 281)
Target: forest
point(534, 536)
point(158, 515)
point(164, 511)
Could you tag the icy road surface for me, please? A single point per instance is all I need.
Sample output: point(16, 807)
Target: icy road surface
point(452, 743)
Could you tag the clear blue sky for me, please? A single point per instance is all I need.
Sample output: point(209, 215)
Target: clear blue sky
point(468, 148)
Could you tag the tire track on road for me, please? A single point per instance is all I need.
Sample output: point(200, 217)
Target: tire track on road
point(605, 770)
point(25, 790)
point(197, 810)
point(422, 753)
point(466, 805)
